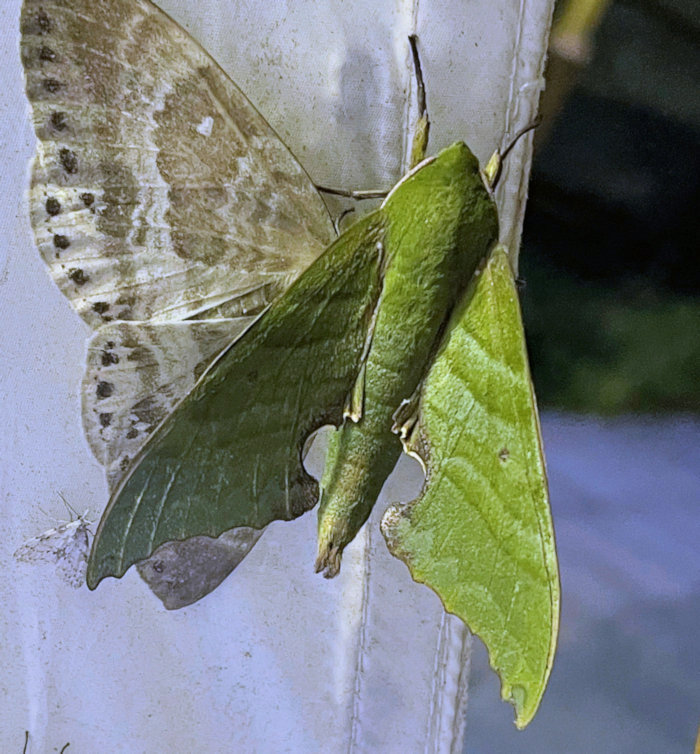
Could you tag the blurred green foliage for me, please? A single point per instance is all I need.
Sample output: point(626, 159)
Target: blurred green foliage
point(611, 236)
point(595, 348)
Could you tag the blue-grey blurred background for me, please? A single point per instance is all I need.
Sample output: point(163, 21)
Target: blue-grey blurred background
point(611, 271)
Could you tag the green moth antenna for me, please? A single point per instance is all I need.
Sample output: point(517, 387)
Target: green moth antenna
point(492, 171)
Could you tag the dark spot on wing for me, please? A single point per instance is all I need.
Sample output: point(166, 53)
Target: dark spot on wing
point(109, 358)
point(53, 206)
point(51, 85)
point(47, 54)
point(43, 22)
point(132, 433)
point(105, 419)
point(78, 276)
point(88, 199)
point(58, 121)
point(100, 307)
point(124, 463)
point(62, 242)
point(68, 160)
point(104, 389)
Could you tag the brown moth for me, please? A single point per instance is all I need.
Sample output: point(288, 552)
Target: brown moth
point(169, 214)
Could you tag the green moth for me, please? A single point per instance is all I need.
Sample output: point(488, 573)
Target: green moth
point(405, 334)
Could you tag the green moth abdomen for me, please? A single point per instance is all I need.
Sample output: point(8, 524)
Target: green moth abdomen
point(441, 222)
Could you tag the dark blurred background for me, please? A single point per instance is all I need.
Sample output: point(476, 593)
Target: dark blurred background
point(611, 247)
point(611, 298)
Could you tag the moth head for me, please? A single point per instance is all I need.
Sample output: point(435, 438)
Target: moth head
point(492, 171)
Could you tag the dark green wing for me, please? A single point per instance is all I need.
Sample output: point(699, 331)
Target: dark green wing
point(230, 454)
point(481, 533)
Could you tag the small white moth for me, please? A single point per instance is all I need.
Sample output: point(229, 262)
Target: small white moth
point(67, 546)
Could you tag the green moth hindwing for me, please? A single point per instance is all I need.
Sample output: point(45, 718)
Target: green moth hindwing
point(230, 454)
point(480, 534)
point(158, 196)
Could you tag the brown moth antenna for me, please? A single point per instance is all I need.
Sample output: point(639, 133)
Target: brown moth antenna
point(422, 129)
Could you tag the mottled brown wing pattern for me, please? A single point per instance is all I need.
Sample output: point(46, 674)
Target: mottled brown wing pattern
point(136, 373)
point(158, 191)
point(158, 195)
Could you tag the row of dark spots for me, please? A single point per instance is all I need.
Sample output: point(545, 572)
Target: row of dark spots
point(68, 158)
point(46, 54)
point(69, 162)
point(61, 242)
point(53, 206)
point(105, 389)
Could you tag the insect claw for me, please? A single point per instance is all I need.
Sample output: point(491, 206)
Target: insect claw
point(328, 561)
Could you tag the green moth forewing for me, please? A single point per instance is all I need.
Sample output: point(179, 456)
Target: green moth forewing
point(230, 453)
point(480, 534)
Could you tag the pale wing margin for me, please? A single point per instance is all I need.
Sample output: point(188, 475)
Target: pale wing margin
point(481, 533)
point(158, 191)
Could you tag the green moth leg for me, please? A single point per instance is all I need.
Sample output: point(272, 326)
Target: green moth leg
point(481, 534)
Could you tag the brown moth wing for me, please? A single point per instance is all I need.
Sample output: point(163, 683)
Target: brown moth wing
point(158, 191)
point(136, 373)
point(180, 573)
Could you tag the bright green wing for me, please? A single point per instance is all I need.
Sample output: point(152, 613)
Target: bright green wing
point(230, 453)
point(480, 534)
